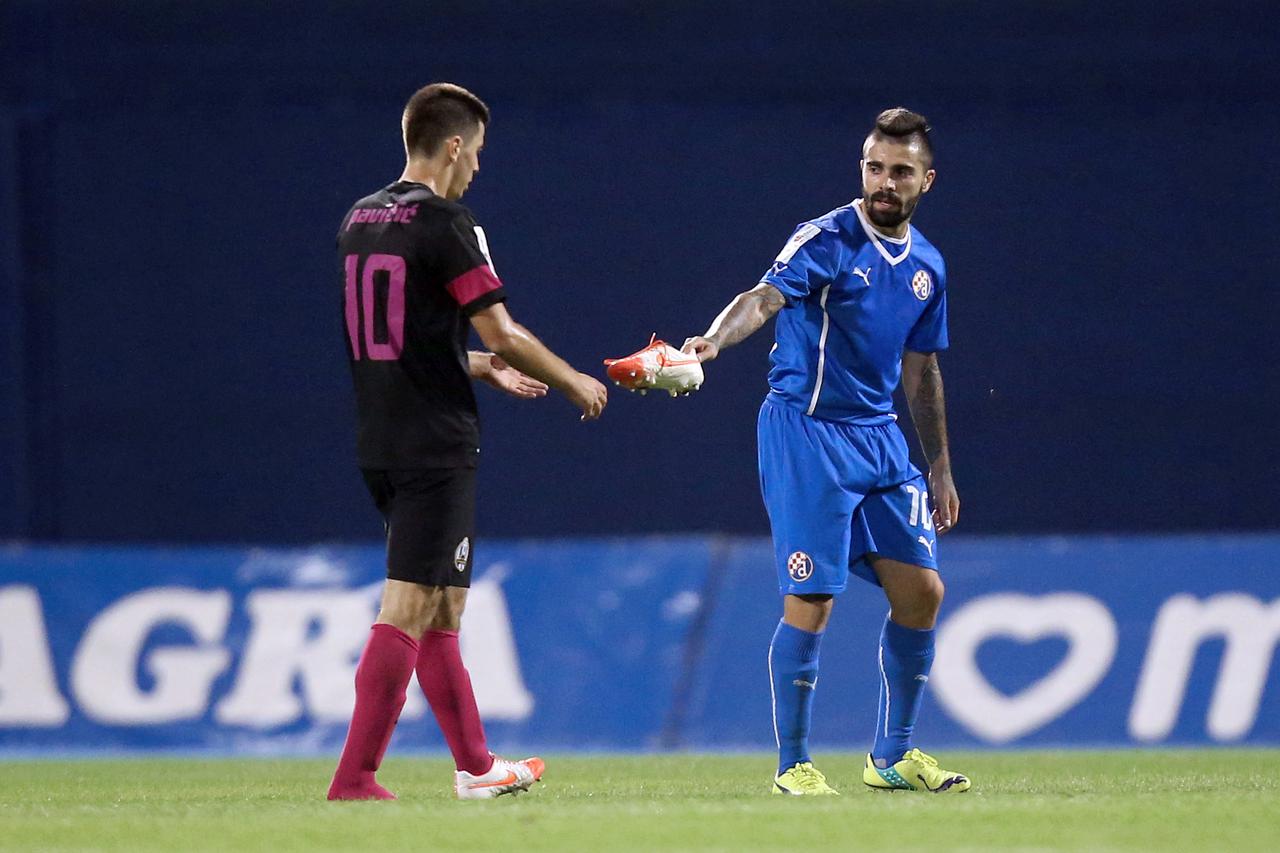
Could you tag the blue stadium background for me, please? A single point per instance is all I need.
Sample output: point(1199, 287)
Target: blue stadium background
point(172, 363)
point(173, 378)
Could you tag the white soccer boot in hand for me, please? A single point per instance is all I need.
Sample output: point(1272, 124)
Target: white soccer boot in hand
point(505, 777)
point(660, 366)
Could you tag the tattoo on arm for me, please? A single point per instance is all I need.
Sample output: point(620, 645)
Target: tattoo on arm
point(929, 410)
point(745, 314)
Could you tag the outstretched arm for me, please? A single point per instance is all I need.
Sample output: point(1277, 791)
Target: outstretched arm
point(922, 384)
point(518, 347)
point(490, 368)
point(744, 315)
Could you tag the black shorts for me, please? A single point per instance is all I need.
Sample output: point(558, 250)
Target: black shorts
point(430, 517)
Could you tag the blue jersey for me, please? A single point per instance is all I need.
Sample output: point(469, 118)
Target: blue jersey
point(855, 300)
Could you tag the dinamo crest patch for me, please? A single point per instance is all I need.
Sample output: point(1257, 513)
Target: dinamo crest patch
point(800, 567)
point(922, 285)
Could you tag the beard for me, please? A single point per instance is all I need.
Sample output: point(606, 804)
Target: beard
point(893, 217)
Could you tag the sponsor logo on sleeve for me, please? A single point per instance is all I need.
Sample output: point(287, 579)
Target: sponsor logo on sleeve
point(798, 239)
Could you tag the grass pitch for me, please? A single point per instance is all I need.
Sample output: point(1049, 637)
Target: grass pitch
point(1148, 800)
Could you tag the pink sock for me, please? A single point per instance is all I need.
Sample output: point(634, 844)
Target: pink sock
point(381, 677)
point(447, 686)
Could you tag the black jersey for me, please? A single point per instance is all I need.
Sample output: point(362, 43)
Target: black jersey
point(414, 267)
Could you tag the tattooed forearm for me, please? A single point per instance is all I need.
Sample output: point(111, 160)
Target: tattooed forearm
point(929, 410)
point(745, 314)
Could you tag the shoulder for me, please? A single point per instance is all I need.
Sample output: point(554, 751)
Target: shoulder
point(437, 210)
point(372, 200)
point(841, 228)
point(454, 210)
point(830, 231)
point(445, 224)
point(841, 222)
point(927, 253)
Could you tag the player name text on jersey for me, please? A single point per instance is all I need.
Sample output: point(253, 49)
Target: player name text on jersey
point(395, 213)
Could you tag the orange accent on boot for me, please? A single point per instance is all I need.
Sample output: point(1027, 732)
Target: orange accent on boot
point(536, 765)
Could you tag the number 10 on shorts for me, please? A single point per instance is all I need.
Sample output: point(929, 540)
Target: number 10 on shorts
point(920, 514)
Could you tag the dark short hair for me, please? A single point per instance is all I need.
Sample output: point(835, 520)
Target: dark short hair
point(902, 125)
point(437, 112)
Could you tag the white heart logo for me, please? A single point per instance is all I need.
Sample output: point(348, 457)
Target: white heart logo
point(964, 691)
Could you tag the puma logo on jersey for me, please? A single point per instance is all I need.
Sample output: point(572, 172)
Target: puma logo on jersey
point(865, 275)
point(926, 543)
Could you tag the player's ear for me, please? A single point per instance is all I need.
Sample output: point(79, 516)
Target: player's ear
point(929, 175)
point(454, 148)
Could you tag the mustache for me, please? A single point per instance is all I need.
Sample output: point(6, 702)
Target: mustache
point(886, 197)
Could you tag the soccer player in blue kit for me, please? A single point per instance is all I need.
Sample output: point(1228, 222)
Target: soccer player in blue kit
point(861, 302)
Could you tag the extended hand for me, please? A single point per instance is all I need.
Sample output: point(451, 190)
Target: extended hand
point(588, 395)
point(946, 502)
point(704, 348)
point(506, 378)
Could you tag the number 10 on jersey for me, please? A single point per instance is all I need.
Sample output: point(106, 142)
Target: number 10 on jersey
point(375, 293)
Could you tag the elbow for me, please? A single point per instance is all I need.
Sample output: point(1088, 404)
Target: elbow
point(503, 342)
point(499, 334)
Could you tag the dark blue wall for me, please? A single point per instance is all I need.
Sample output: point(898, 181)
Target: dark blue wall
point(172, 175)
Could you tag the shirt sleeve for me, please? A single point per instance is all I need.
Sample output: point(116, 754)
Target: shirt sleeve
point(805, 264)
point(929, 334)
point(466, 266)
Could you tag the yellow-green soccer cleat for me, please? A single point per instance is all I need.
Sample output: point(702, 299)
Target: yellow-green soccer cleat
point(915, 772)
point(803, 780)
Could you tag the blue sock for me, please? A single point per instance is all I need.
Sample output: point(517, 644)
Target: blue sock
point(793, 673)
point(906, 654)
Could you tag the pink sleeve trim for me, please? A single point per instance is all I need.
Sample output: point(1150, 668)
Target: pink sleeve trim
point(473, 284)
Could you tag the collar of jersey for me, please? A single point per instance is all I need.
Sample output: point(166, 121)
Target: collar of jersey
point(878, 240)
point(414, 184)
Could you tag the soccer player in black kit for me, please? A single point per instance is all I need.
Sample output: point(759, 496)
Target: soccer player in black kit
point(416, 278)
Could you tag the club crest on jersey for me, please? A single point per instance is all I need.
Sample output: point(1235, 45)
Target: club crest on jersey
point(922, 285)
point(800, 567)
point(462, 553)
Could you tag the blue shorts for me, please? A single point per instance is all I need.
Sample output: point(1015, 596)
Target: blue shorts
point(837, 493)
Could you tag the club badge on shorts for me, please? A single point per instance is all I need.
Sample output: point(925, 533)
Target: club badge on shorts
point(922, 285)
point(800, 567)
point(462, 553)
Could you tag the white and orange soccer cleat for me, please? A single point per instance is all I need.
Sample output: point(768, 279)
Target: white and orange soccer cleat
point(505, 777)
point(659, 366)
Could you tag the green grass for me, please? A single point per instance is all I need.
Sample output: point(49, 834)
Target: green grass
point(1149, 800)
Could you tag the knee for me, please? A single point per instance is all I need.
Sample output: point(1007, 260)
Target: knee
point(919, 609)
point(933, 591)
point(448, 614)
point(410, 607)
point(415, 623)
point(807, 612)
point(446, 618)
